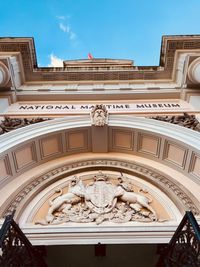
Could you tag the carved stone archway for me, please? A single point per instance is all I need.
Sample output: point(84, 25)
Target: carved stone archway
point(161, 156)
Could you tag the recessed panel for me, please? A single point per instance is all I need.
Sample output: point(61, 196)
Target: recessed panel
point(24, 156)
point(5, 170)
point(122, 139)
point(149, 144)
point(195, 165)
point(77, 140)
point(51, 146)
point(175, 154)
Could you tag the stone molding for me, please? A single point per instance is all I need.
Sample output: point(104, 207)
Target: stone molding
point(4, 75)
point(186, 136)
point(194, 71)
point(105, 235)
point(133, 135)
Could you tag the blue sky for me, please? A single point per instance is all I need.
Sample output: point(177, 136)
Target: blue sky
point(70, 29)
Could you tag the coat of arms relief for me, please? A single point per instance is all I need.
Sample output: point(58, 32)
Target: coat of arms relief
point(101, 199)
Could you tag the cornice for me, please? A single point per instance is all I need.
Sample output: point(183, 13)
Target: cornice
point(170, 44)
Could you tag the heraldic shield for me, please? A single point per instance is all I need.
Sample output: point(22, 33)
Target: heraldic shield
point(101, 196)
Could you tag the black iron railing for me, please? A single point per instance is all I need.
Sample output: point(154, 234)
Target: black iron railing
point(15, 249)
point(184, 248)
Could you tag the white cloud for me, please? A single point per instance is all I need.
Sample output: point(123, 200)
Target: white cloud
point(66, 28)
point(55, 61)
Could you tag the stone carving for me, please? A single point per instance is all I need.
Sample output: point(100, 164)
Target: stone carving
point(101, 195)
point(9, 124)
point(186, 120)
point(98, 201)
point(73, 196)
point(182, 196)
point(99, 115)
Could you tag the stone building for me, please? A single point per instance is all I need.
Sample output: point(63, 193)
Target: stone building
point(100, 151)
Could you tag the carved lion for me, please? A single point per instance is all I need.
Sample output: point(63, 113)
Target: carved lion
point(136, 201)
point(74, 194)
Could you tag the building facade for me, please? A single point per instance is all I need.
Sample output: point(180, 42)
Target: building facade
point(100, 150)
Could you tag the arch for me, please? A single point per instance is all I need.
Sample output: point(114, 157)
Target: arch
point(160, 155)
